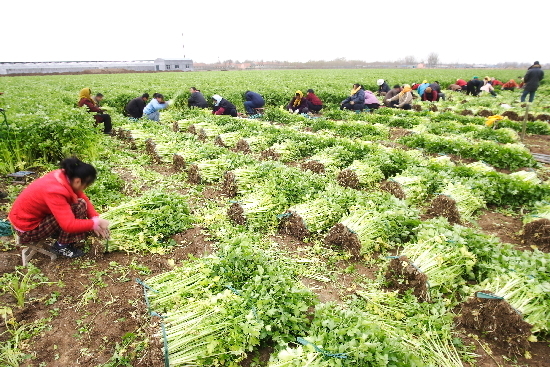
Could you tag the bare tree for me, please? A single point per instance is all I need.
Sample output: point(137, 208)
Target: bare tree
point(410, 60)
point(433, 59)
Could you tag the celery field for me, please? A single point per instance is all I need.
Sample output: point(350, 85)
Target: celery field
point(381, 239)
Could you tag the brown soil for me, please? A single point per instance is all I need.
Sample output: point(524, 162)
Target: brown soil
point(485, 113)
point(433, 108)
point(175, 127)
point(512, 115)
point(538, 143)
point(464, 101)
point(269, 154)
point(201, 135)
point(193, 175)
point(178, 163)
point(393, 188)
point(537, 233)
point(466, 113)
point(348, 178)
point(293, 225)
point(194, 242)
point(501, 324)
point(229, 184)
point(236, 214)
point(417, 107)
point(403, 276)
point(444, 206)
point(542, 117)
point(192, 129)
point(313, 166)
point(242, 146)
point(398, 132)
point(341, 237)
point(504, 227)
point(219, 141)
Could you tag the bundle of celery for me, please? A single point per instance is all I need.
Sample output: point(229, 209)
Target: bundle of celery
point(319, 214)
point(480, 167)
point(525, 176)
point(446, 264)
point(527, 294)
point(333, 158)
point(415, 187)
point(347, 337)
point(467, 201)
point(286, 150)
point(381, 222)
point(146, 222)
point(229, 139)
point(260, 208)
point(366, 173)
point(212, 170)
point(540, 210)
point(424, 327)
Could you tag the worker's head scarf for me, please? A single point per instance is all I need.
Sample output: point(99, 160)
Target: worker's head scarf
point(355, 90)
point(428, 90)
point(424, 81)
point(379, 82)
point(86, 93)
point(406, 88)
point(298, 98)
point(217, 98)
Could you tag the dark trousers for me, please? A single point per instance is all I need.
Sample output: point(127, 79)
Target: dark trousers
point(250, 106)
point(372, 106)
point(313, 107)
point(355, 106)
point(232, 112)
point(106, 121)
point(407, 106)
point(531, 95)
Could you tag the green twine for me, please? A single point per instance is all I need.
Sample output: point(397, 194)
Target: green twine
point(319, 350)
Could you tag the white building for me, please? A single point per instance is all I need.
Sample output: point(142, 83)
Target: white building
point(173, 64)
point(80, 66)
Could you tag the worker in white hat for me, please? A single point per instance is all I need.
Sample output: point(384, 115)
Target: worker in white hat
point(383, 87)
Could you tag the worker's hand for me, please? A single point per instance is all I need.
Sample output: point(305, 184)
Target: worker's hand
point(351, 102)
point(103, 228)
point(296, 111)
point(290, 110)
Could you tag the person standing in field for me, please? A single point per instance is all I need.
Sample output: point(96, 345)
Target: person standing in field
point(298, 104)
point(383, 87)
point(404, 98)
point(532, 81)
point(135, 107)
point(152, 110)
point(356, 100)
point(371, 102)
point(85, 99)
point(252, 101)
point(474, 86)
point(197, 99)
point(510, 85)
point(392, 93)
point(314, 103)
point(55, 206)
point(223, 107)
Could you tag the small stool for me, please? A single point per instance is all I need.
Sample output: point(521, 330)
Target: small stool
point(30, 249)
point(21, 176)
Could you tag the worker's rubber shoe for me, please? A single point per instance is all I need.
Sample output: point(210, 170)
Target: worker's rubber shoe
point(67, 250)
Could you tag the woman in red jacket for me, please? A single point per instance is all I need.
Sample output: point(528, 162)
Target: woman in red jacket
point(314, 103)
point(55, 206)
point(85, 99)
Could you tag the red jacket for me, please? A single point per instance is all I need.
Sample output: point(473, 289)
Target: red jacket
point(50, 194)
point(461, 82)
point(496, 82)
point(92, 107)
point(314, 99)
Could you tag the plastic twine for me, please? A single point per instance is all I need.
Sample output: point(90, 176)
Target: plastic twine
point(319, 350)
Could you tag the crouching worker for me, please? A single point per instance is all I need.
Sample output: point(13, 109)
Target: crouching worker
point(152, 110)
point(404, 98)
point(223, 107)
point(85, 99)
point(55, 206)
point(356, 100)
point(298, 104)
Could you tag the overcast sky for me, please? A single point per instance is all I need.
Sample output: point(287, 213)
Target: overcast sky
point(465, 31)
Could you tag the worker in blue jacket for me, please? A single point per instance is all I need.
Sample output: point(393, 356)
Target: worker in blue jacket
point(356, 100)
point(422, 87)
point(252, 101)
point(152, 110)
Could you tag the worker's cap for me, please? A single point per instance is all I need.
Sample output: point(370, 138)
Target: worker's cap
point(380, 82)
